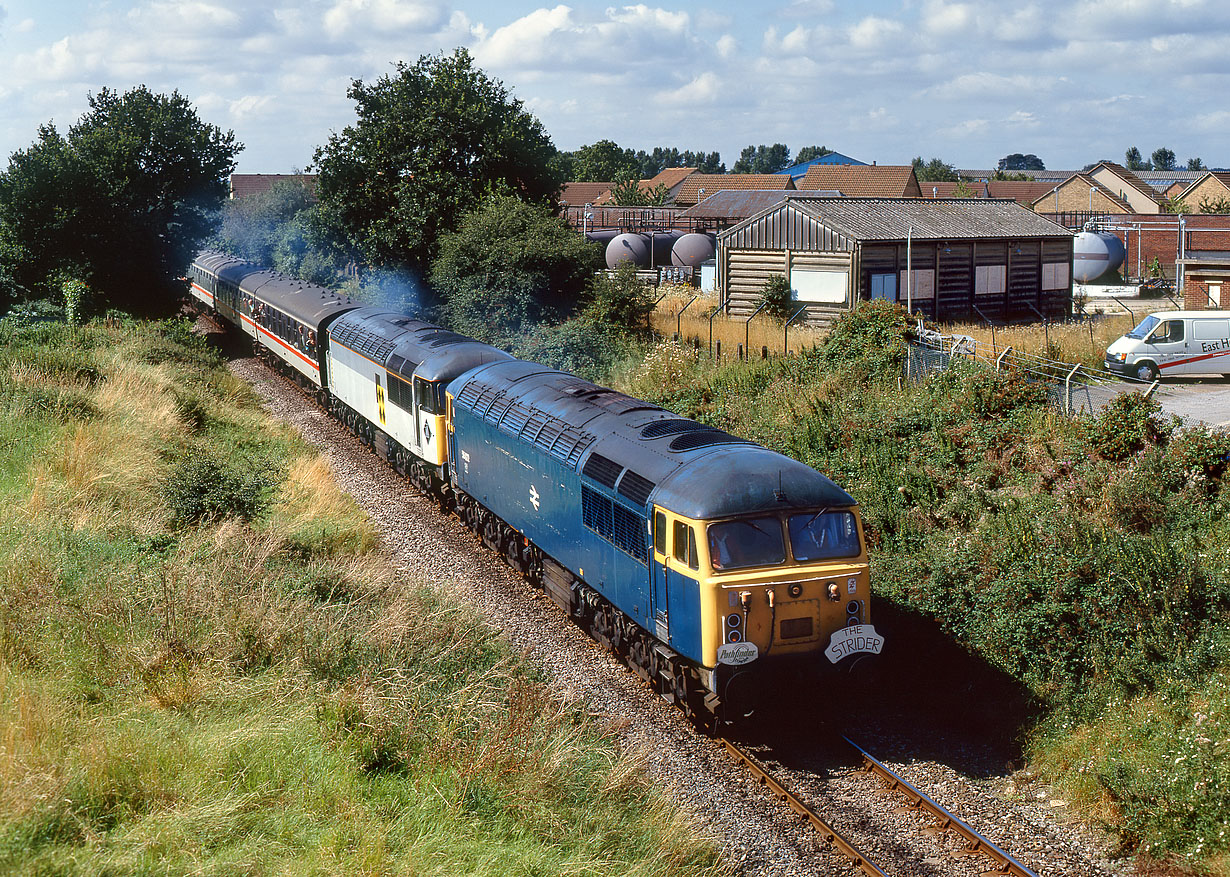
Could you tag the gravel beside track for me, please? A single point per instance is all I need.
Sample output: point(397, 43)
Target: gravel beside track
point(756, 834)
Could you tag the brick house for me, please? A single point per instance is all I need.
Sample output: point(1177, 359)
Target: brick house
point(1211, 188)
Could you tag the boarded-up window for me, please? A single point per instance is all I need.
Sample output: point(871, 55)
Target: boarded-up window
point(1055, 275)
point(990, 279)
point(829, 287)
point(922, 284)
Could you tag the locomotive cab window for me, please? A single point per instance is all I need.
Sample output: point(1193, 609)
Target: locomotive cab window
point(430, 396)
point(659, 532)
point(823, 535)
point(746, 542)
point(685, 545)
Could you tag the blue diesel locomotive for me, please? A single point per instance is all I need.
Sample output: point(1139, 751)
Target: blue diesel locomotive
point(710, 564)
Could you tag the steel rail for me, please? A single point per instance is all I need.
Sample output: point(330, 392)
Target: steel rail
point(830, 834)
point(975, 843)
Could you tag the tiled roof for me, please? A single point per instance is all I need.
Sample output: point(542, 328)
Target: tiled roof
point(1020, 191)
point(1222, 177)
point(936, 189)
point(579, 194)
point(863, 181)
point(243, 185)
point(1128, 177)
point(670, 177)
point(689, 192)
point(893, 219)
point(1086, 181)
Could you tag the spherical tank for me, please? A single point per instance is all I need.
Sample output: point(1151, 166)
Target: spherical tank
point(1094, 253)
point(628, 247)
point(691, 250)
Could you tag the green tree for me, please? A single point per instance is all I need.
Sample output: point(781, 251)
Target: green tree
point(1195, 164)
point(429, 143)
point(762, 159)
point(510, 265)
point(653, 163)
point(281, 228)
point(807, 153)
point(124, 201)
point(1219, 204)
point(1009, 176)
point(603, 162)
point(1133, 161)
point(1019, 162)
point(619, 301)
point(778, 298)
point(628, 192)
point(934, 171)
point(1163, 159)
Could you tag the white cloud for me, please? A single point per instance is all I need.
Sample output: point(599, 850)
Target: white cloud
point(874, 34)
point(250, 105)
point(703, 89)
point(985, 85)
point(347, 17)
point(726, 46)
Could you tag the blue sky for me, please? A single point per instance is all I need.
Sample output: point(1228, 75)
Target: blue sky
point(969, 82)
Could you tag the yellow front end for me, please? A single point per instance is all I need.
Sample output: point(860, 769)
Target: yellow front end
point(789, 606)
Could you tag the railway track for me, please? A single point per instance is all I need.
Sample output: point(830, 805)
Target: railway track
point(973, 843)
point(916, 801)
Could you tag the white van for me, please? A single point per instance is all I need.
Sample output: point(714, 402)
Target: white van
point(1174, 343)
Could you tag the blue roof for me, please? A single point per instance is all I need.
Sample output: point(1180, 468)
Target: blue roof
point(694, 470)
point(797, 171)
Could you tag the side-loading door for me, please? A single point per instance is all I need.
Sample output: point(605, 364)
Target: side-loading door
point(428, 401)
point(660, 606)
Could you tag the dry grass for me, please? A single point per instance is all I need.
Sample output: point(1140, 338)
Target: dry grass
point(1083, 342)
point(733, 333)
point(259, 696)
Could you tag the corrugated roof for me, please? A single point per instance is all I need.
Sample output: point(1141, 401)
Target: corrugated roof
point(689, 192)
point(864, 181)
point(737, 204)
point(243, 185)
point(893, 219)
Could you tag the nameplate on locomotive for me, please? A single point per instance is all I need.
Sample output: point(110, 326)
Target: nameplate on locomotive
point(736, 654)
point(858, 638)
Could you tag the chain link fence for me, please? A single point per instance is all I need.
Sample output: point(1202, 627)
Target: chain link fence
point(1072, 388)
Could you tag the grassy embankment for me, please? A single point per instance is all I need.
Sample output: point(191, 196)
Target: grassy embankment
point(206, 666)
point(1087, 559)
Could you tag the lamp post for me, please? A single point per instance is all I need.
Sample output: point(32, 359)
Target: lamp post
point(1055, 192)
point(585, 218)
point(1092, 189)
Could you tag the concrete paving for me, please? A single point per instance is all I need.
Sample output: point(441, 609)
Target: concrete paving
point(1197, 400)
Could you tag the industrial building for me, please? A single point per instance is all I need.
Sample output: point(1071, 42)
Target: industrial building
point(951, 259)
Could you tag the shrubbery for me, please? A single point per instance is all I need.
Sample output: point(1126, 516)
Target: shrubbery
point(1088, 558)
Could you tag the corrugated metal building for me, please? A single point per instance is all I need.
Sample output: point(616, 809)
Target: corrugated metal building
point(963, 253)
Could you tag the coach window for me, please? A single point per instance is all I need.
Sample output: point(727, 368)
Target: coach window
point(685, 545)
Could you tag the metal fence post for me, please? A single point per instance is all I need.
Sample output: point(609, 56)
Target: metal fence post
point(1067, 390)
point(999, 359)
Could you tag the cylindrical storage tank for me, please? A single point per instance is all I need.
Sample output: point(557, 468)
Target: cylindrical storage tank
point(628, 247)
point(693, 249)
point(663, 243)
point(602, 236)
point(1094, 253)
